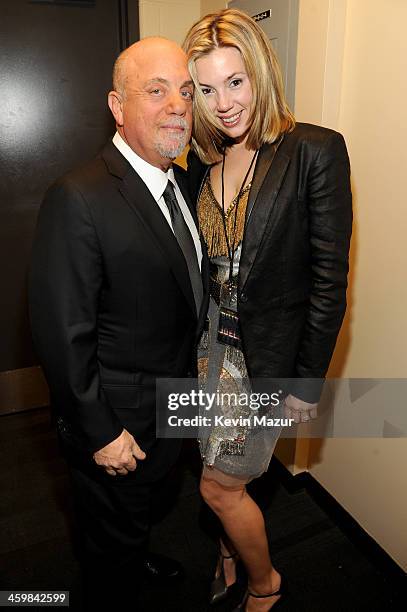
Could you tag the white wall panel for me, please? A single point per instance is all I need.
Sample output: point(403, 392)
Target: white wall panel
point(169, 18)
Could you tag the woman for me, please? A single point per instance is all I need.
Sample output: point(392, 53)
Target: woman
point(274, 206)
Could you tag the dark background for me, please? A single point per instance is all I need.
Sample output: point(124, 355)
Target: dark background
point(56, 60)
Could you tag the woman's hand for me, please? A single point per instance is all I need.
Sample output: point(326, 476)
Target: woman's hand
point(299, 410)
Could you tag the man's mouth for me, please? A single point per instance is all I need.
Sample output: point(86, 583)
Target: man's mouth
point(177, 128)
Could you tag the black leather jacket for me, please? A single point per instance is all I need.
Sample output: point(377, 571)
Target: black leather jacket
point(294, 263)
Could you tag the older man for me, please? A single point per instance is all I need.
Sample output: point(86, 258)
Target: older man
point(117, 301)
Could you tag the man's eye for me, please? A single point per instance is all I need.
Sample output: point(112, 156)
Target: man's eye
point(187, 94)
point(155, 92)
point(206, 90)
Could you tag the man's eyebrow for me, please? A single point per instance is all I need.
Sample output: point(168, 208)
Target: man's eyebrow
point(157, 80)
point(166, 82)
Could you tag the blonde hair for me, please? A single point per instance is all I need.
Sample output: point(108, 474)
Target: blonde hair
point(270, 116)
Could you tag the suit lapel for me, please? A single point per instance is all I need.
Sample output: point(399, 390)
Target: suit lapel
point(268, 176)
point(141, 202)
point(183, 185)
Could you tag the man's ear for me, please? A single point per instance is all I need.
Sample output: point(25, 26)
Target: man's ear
point(115, 104)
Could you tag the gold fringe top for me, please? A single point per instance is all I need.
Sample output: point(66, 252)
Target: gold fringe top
point(211, 223)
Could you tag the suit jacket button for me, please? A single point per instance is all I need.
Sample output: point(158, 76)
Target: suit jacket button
point(243, 297)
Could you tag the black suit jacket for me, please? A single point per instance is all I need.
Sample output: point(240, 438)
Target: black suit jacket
point(112, 307)
point(294, 263)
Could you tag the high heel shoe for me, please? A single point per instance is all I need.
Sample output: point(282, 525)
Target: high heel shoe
point(219, 590)
point(280, 591)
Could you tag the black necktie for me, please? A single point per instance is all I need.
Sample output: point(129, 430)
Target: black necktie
point(185, 241)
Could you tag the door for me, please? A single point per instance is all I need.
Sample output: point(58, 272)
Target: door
point(279, 20)
point(56, 59)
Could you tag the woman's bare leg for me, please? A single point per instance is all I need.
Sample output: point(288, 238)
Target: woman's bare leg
point(227, 550)
point(243, 523)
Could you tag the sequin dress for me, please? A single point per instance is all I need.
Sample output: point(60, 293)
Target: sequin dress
point(242, 451)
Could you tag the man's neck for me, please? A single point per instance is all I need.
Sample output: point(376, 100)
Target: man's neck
point(163, 163)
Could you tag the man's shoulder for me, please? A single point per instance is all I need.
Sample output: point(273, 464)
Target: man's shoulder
point(86, 175)
point(89, 184)
point(96, 174)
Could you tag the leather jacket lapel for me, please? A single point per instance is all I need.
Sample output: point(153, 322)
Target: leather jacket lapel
point(268, 176)
point(202, 182)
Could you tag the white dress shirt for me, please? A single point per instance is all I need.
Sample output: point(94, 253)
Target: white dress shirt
point(156, 181)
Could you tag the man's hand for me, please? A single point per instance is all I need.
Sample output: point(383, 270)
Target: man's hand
point(119, 456)
point(299, 410)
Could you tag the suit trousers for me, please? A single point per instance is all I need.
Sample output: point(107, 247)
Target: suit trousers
point(113, 516)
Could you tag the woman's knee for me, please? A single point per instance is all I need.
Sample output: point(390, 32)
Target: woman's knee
point(219, 498)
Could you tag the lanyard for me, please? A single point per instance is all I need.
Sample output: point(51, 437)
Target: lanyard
point(232, 248)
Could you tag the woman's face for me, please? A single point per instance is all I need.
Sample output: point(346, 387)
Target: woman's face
point(224, 82)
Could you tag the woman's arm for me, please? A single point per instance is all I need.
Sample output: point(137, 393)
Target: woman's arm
point(330, 225)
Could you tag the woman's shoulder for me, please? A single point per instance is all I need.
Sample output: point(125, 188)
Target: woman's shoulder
point(308, 139)
point(194, 163)
point(312, 134)
point(196, 171)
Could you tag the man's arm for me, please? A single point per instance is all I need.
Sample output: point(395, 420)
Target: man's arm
point(65, 284)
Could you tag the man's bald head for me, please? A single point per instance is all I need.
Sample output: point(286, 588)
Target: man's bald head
point(152, 99)
point(131, 59)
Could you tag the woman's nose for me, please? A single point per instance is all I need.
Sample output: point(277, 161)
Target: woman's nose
point(224, 102)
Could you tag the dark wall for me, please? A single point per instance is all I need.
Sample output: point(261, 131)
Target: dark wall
point(56, 60)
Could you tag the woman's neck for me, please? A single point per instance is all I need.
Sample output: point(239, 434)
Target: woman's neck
point(239, 153)
point(238, 160)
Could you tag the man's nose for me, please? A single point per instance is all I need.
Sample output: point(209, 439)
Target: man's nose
point(177, 104)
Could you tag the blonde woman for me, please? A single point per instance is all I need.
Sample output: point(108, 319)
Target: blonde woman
point(274, 205)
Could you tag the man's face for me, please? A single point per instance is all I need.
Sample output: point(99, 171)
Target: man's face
point(155, 114)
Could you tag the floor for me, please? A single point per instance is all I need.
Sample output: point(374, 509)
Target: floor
point(324, 570)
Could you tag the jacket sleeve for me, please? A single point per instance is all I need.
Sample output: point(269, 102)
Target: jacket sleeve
point(329, 200)
point(64, 290)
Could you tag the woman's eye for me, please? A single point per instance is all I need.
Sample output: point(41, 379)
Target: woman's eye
point(235, 82)
point(206, 90)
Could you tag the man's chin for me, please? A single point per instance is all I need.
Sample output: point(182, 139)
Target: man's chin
point(171, 151)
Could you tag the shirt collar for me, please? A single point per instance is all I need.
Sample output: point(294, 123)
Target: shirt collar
point(154, 178)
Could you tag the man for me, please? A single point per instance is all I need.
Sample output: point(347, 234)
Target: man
point(117, 301)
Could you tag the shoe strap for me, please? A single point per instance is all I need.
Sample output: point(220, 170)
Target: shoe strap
point(264, 596)
point(229, 556)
